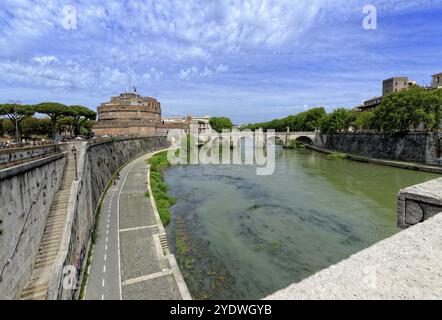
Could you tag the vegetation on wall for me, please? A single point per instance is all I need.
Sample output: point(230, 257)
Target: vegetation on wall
point(159, 188)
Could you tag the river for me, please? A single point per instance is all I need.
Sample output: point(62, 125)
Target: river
point(237, 235)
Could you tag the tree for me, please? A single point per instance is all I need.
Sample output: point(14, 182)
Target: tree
point(80, 115)
point(54, 111)
point(339, 120)
point(16, 113)
point(364, 121)
point(2, 128)
point(409, 109)
point(220, 123)
point(32, 126)
point(66, 124)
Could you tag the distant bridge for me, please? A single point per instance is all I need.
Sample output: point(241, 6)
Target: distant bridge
point(286, 138)
point(306, 137)
point(282, 138)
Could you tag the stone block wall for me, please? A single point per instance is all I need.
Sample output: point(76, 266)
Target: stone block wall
point(26, 194)
point(413, 147)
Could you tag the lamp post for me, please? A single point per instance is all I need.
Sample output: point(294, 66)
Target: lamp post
point(74, 151)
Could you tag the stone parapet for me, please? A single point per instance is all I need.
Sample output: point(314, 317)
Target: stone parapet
point(419, 203)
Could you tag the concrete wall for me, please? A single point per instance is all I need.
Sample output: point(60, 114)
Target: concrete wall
point(413, 147)
point(26, 194)
point(96, 165)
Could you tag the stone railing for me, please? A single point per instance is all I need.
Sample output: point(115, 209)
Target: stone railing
point(15, 156)
point(419, 203)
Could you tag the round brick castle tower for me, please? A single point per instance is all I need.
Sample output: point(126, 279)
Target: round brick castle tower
point(128, 114)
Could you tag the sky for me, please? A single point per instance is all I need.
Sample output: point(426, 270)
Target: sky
point(250, 60)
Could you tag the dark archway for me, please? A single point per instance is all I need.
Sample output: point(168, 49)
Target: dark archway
point(304, 140)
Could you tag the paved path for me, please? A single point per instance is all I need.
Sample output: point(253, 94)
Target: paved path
point(131, 259)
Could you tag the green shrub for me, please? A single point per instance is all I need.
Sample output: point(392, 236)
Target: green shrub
point(159, 188)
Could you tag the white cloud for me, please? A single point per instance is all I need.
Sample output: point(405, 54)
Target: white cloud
point(264, 44)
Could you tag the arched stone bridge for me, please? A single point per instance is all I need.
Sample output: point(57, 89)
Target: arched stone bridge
point(307, 137)
point(282, 138)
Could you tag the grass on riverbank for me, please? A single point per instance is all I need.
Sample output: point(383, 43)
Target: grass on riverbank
point(159, 188)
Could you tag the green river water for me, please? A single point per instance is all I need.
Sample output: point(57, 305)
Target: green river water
point(237, 235)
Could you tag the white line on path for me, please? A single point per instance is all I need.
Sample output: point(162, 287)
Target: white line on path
point(104, 268)
point(105, 257)
point(139, 228)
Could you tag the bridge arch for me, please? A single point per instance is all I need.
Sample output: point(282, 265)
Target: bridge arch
point(304, 140)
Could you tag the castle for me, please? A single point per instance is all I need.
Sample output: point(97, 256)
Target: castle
point(130, 114)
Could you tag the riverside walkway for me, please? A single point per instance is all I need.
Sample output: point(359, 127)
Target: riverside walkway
point(131, 259)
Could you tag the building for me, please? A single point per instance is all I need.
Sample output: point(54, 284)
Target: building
point(389, 86)
point(195, 124)
point(437, 81)
point(371, 104)
point(396, 84)
point(128, 114)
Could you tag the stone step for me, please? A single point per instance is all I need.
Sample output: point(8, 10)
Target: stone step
point(59, 206)
point(37, 285)
point(50, 246)
point(43, 264)
point(55, 223)
point(50, 234)
point(48, 252)
point(44, 259)
point(50, 241)
point(56, 220)
point(61, 197)
point(39, 277)
point(54, 230)
point(34, 289)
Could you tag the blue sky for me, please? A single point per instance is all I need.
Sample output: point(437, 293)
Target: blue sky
point(250, 60)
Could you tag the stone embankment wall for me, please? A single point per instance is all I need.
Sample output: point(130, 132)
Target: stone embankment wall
point(26, 194)
point(413, 147)
point(96, 165)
